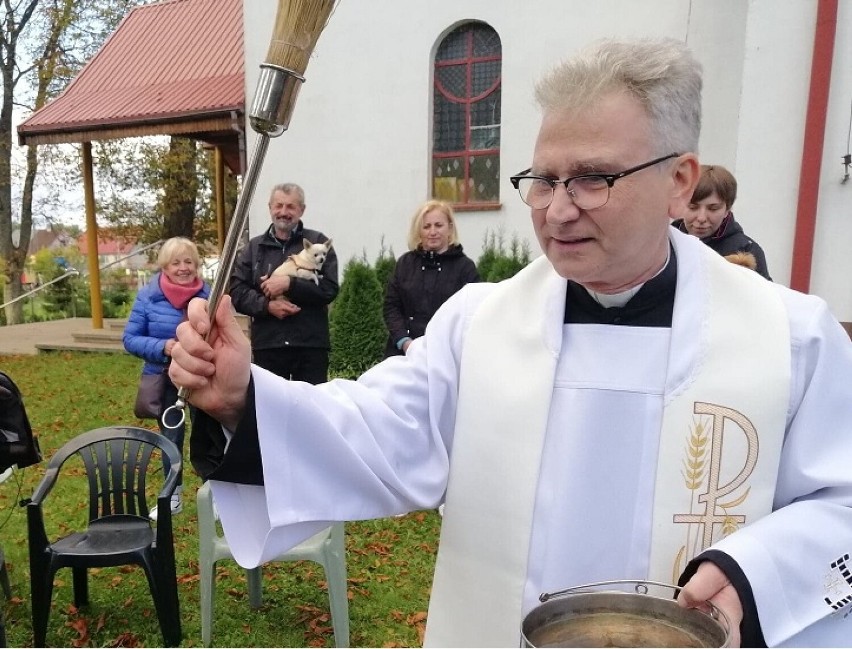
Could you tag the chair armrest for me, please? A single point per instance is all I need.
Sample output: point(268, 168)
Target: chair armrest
point(171, 480)
point(44, 486)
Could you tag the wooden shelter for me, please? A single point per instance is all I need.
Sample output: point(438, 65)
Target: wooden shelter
point(171, 68)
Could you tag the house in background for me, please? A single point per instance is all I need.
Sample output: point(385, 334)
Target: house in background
point(43, 239)
point(408, 100)
point(118, 259)
point(50, 239)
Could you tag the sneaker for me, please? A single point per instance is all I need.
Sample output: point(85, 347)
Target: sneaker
point(176, 504)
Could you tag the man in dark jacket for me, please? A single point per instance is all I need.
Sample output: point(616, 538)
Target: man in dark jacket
point(289, 331)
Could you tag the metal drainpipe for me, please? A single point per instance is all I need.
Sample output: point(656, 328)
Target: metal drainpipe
point(806, 211)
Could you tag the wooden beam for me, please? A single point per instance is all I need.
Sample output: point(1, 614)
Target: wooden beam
point(92, 238)
point(217, 125)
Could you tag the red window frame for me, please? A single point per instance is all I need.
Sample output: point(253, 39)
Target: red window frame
point(469, 60)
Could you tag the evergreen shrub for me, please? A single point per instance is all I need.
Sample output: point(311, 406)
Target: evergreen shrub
point(496, 262)
point(384, 265)
point(358, 332)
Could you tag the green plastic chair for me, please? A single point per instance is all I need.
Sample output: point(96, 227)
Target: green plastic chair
point(325, 548)
point(116, 461)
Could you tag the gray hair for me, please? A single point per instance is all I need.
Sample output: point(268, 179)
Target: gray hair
point(662, 74)
point(289, 188)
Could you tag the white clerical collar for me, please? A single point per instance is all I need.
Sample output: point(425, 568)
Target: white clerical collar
point(608, 300)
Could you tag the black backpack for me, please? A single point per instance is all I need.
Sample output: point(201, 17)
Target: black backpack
point(18, 445)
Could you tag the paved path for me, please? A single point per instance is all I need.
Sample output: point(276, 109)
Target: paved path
point(72, 334)
point(23, 338)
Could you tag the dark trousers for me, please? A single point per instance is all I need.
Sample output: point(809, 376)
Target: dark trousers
point(178, 434)
point(309, 364)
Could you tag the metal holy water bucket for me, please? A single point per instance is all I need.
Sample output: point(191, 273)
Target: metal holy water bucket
point(626, 613)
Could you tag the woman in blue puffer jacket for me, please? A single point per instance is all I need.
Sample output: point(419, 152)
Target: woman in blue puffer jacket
point(159, 308)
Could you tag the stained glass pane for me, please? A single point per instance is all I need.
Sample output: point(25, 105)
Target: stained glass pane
point(448, 125)
point(486, 110)
point(453, 78)
point(485, 123)
point(448, 179)
point(454, 45)
point(484, 179)
point(486, 42)
point(484, 76)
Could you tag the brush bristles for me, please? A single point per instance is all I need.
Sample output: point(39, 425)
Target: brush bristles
point(297, 27)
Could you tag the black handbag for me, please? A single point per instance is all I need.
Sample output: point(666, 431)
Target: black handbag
point(149, 396)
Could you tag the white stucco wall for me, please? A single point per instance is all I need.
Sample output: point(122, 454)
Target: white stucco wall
point(776, 79)
point(831, 276)
point(359, 140)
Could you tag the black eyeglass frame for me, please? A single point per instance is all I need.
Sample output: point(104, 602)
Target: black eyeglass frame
point(608, 178)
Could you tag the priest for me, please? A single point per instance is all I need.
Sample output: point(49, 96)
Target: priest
point(629, 406)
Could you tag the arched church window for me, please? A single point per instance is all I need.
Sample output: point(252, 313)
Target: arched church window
point(466, 117)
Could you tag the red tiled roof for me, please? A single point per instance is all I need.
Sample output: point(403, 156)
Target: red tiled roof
point(175, 67)
point(106, 245)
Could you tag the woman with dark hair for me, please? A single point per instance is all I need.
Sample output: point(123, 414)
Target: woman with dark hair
point(426, 276)
point(709, 217)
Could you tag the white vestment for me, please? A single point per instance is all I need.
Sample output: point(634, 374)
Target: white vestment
point(382, 446)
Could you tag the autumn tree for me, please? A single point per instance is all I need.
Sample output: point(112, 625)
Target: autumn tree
point(42, 45)
point(157, 187)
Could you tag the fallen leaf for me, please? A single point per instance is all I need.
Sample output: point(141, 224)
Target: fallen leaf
point(126, 639)
point(81, 626)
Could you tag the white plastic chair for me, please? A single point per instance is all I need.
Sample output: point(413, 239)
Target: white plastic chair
point(326, 548)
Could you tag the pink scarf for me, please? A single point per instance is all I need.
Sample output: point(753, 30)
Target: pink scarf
point(179, 295)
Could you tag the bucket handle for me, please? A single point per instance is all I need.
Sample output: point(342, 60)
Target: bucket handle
point(641, 588)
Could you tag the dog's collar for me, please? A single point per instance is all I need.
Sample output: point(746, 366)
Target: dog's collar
point(296, 260)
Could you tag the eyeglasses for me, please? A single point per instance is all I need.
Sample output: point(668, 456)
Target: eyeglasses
point(588, 191)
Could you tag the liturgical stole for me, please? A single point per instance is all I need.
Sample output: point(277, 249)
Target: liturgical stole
point(720, 441)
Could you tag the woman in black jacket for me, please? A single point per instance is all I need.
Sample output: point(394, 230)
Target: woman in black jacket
point(424, 278)
point(709, 217)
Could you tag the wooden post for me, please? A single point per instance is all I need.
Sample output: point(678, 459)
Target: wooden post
point(219, 190)
point(92, 238)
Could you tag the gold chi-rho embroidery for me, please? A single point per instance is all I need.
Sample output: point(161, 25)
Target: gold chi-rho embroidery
point(716, 512)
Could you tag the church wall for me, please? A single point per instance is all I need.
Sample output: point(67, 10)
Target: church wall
point(832, 269)
point(359, 140)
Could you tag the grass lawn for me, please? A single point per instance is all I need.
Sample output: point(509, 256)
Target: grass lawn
point(389, 561)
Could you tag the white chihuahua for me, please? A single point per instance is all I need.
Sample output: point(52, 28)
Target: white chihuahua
point(308, 263)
